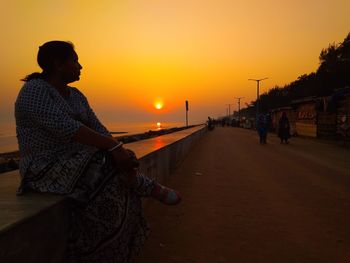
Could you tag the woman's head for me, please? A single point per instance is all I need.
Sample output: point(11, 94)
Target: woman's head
point(54, 52)
point(57, 57)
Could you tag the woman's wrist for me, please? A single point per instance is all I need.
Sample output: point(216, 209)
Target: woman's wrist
point(116, 146)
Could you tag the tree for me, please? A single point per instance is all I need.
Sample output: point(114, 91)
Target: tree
point(334, 70)
point(333, 73)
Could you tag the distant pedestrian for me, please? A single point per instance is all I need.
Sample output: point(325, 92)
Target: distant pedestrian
point(210, 124)
point(262, 128)
point(223, 122)
point(284, 128)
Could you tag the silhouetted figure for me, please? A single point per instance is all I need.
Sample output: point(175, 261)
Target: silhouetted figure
point(233, 123)
point(262, 128)
point(284, 128)
point(210, 124)
point(223, 122)
point(66, 150)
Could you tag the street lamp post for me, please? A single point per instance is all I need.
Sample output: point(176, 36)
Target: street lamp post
point(257, 96)
point(239, 108)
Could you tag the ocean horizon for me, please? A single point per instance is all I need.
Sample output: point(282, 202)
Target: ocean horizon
point(8, 140)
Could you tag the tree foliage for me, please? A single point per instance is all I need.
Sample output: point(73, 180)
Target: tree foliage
point(333, 73)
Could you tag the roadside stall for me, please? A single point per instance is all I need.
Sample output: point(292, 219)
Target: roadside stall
point(306, 117)
point(326, 118)
point(343, 117)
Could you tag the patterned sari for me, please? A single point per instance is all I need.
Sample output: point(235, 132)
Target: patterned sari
point(107, 224)
point(106, 219)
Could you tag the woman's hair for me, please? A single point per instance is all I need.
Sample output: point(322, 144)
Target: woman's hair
point(48, 54)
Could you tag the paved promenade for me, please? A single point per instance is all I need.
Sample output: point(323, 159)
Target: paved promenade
point(246, 202)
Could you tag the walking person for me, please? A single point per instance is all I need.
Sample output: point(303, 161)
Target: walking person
point(262, 127)
point(66, 150)
point(284, 128)
point(210, 124)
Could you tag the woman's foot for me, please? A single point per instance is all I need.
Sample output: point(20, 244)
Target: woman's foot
point(165, 195)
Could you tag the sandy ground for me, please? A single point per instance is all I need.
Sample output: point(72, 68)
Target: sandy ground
point(246, 202)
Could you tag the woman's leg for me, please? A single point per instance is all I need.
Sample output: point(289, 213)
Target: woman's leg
point(147, 187)
point(107, 223)
point(109, 227)
point(261, 140)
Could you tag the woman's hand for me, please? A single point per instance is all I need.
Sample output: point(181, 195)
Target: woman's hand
point(122, 159)
point(135, 161)
point(127, 162)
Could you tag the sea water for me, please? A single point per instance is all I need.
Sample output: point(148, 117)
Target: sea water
point(8, 140)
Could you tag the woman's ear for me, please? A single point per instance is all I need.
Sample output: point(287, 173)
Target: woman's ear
point(57, 65)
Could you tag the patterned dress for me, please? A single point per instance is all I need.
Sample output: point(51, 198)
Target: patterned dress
point(107, 224)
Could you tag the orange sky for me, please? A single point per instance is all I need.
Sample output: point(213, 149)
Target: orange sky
point(136, 52)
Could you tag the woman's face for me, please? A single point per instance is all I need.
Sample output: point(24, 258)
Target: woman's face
point(70, 69)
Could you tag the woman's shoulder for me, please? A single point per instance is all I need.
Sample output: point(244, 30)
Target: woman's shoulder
point(33, 92)
point(34, 86)
point(77, 93)
point(75, 90)
point(36, 82)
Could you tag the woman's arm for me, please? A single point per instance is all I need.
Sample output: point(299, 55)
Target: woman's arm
point(35, 103)
point(87, 136)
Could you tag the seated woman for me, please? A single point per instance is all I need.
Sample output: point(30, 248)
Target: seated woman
point(66, 150)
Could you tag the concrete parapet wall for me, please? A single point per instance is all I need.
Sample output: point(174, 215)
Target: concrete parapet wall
point(160, 163)
point(38, 238)
point(34, 227)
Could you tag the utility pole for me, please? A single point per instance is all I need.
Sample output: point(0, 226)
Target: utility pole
point(186, 104)
point(239, 108)
point(257, 97)
point(229, 110)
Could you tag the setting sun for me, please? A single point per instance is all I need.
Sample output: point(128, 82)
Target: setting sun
point(158, 105)
point(157, 54)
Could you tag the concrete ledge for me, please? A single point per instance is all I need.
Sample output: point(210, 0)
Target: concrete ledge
point(28, 223)
point(161, 155)
point(41, 237)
